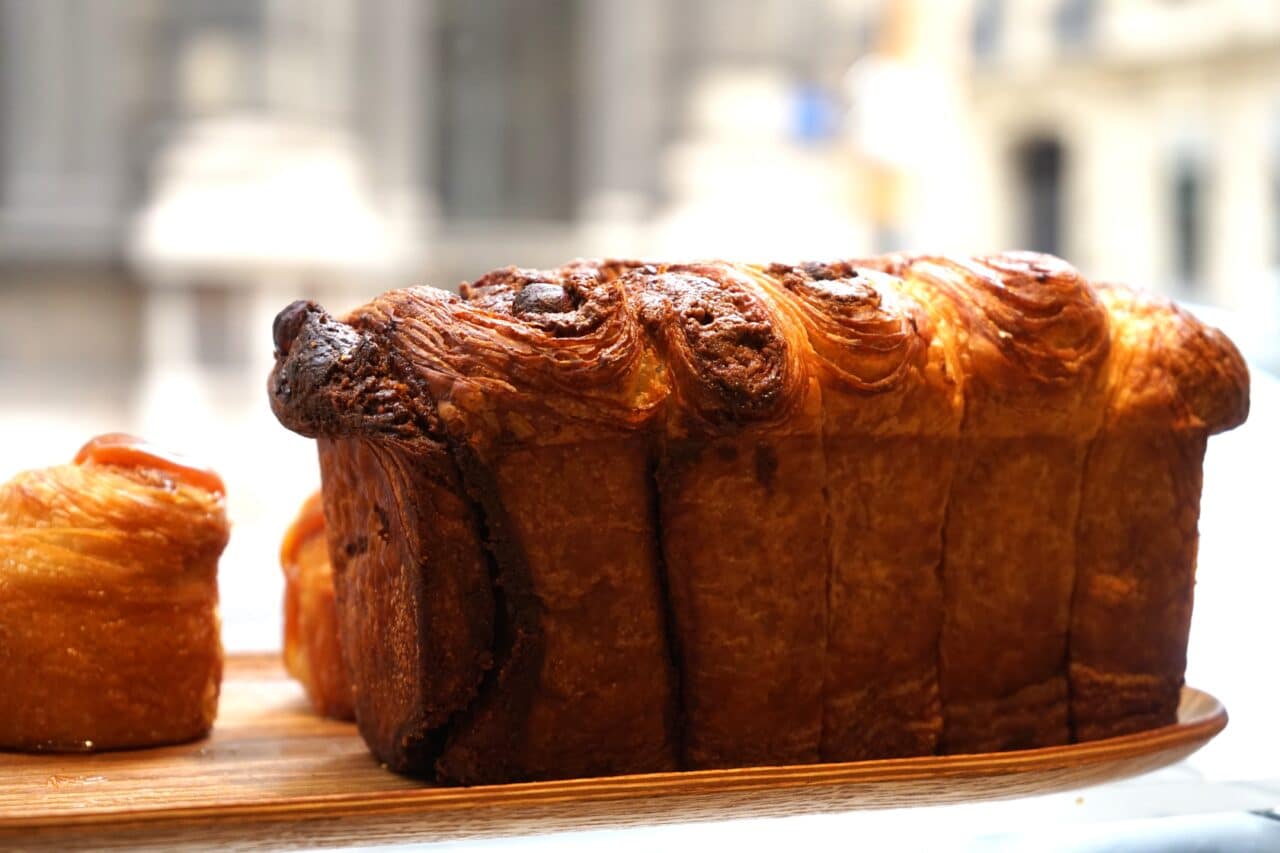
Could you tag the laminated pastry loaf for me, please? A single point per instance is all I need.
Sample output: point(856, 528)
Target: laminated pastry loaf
point(625, 517)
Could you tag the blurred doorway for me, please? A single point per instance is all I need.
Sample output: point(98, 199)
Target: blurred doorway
point(1040, 165)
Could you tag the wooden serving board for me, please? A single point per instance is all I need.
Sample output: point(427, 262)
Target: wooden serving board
point(272, 770)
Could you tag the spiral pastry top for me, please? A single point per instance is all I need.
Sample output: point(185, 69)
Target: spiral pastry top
point(108, 600)
point(126, 510)
point(558, 355)
point(867, 335)
point(1033, 338)
point(526, 355)
point(1168, 368)
point(730, 351)
point(1029, 316)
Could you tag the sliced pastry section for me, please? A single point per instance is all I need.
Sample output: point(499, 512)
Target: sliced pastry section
point(543, 388)
point(416, 601)
point(742, 517)
point(1171, 383)
point(1032, 338)
point(891, 411)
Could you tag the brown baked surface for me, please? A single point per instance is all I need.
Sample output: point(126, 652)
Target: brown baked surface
point(109, 630)
point(312, 653)
point(637, 516)
point(1171, 383)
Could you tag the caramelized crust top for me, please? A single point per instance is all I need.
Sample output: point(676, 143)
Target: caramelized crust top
point(726, 344)
point(554, 356)
point(523, 355)
point(866, 333)
point(1168, 368)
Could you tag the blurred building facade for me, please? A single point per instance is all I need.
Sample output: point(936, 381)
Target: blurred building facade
point(1139, 138)
point(172, 172)
point(220, 157)
point(178, 165)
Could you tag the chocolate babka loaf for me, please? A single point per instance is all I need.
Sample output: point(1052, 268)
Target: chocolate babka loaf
point(628, 517)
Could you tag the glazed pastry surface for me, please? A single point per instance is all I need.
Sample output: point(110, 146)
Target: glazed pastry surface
point(109, 630)
point(633, 516)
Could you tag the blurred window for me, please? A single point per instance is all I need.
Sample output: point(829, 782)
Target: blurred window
point(988, 16)
point(1188, 191)
point(1073, 22)
point(815, 114)
point(1040, 169)
point(506, 117)
point(210, 56)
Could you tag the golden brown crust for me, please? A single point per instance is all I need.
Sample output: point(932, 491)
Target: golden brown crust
point(1032, 339)
point(725, 343)
point(1135, 577)
point(796, 443)
point(744, 526)
point(867, 337)
point(1172, 382)
point(526, 356)
point(891, 413)
point(1170, 371)
point(108, 612)
point(312, 652)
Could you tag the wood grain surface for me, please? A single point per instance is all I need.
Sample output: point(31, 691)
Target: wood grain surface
point(272, 774)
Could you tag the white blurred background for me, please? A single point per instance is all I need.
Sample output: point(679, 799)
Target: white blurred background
point(173, 173)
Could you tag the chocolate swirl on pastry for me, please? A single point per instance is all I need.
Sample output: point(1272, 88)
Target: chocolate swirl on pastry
point(557, 347)
point(333, 379)
point(724, 343)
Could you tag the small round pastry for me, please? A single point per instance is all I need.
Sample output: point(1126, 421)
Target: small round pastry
point(109, 627)
point(311, 650)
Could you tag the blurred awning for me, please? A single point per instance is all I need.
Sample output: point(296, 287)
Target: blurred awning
point(243, 197)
